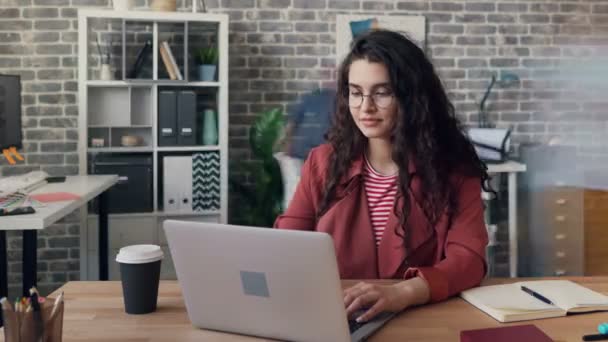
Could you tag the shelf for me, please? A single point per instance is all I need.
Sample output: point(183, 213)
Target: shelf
point(189, 84)
point(119, 149)
point(119, 126)
point(188, 148)
point(187, 214)
point(163, 214)
point(135, 83)
point(99, 83)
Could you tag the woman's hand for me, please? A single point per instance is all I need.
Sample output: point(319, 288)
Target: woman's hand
point(380, 298)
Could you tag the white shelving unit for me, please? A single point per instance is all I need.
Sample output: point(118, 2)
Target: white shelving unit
point(110, 109)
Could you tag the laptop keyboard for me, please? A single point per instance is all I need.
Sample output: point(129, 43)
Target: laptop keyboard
point(354, 325)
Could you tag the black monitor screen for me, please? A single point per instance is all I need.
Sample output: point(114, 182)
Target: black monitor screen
point(10, 111)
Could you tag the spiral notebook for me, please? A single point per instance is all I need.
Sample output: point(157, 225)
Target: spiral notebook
point(509, 303)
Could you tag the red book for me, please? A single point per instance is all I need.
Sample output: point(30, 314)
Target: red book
point(519, 333)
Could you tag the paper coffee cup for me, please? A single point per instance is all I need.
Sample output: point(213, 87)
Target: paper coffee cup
point(140, 275)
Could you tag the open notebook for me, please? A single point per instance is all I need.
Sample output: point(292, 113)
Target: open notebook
point(509, 303)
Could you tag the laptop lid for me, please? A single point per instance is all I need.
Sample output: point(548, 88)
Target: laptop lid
point(259, 281)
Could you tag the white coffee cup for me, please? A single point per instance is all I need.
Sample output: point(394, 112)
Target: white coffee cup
point(139, 254)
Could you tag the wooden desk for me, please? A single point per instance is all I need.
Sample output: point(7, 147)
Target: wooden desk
point(87, 187)
point(95, 312)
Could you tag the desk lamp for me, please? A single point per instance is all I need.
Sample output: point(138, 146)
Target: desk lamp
point(506, 79)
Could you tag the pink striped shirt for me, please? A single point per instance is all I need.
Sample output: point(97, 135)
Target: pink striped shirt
point(381, 191)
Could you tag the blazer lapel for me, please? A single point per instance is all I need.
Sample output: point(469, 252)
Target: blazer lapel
point(391, 251)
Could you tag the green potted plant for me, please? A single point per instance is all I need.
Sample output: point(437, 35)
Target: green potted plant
point(260, 200)
point(206, 59)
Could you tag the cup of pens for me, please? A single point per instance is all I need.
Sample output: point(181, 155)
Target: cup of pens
point(33, 319)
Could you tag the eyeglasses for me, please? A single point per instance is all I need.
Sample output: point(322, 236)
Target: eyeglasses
point(381, 99)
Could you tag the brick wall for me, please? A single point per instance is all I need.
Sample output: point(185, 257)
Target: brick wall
point(282, 48)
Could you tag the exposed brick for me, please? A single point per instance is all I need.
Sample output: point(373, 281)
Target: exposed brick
point(472, 63)
point(413, 5)
point(446, 6)
point(40, 62)
point(63, 242)
point(301, 15)
point(544, 7)
point(439, 40)
point(245, 26)
point(378, 6)
point(579, 8)
point(9, 13)
point(501, 18)
point(471, 40)
point(316, 50)
point(300, 38)
point(44, 159)
point(317, 4)
point(512, 29)
point(10, 37)
point(267, 85)
point(480, 7)
point(447, 28)
point(442, 18)
point(599, 8)
point(317, 74)
point(51, 25)
point(311, 27)
point(276, 27)
point(54, 49)
point(52, 2)
point(16, 49)
point(6, 62)
point(344, 4)
point(274, 3)
point(480, 29)
point(43, 134)
point(512, 7)
point(256, 38)
point(277, 50)
point(470, 18)
point(238, 3)
point(279, 74)
point(301, 86)
point(280, 97)
point(69, 13)
point(504, 62)
point(301, 62)
point(534, 18)
point(40, 13)
point(264, 62)
point(448, 51)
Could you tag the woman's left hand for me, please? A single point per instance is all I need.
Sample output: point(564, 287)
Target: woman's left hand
point(378, 298)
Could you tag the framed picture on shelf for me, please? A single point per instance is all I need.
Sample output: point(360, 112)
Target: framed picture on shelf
point(349, 27)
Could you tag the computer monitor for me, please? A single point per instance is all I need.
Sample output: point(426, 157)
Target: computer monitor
point(10, 111)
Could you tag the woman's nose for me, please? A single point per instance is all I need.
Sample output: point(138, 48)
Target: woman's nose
point(368, 104)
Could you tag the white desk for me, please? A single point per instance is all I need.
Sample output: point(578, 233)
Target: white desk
point(511, 168)
point(87, 187)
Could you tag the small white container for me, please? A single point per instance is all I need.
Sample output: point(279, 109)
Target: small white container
point(123, 5)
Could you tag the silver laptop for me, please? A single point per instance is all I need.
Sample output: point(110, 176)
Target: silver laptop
point(264, 282)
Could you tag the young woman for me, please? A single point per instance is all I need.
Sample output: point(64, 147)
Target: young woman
point(398, 185)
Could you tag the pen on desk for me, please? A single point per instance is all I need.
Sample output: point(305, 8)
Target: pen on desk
point(56, 304)
point(38, 324)
point(596, 337)
point(536, 295)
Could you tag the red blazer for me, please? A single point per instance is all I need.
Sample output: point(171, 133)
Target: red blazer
point(449, 256)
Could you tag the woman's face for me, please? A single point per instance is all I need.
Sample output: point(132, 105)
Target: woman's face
point(371, 100)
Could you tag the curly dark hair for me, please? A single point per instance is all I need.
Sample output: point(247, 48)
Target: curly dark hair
point(426, 130)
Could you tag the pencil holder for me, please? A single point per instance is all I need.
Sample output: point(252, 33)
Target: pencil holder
point(45, 325)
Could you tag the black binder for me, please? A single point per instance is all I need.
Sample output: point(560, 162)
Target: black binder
point(167, 118)
point(186, 118)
